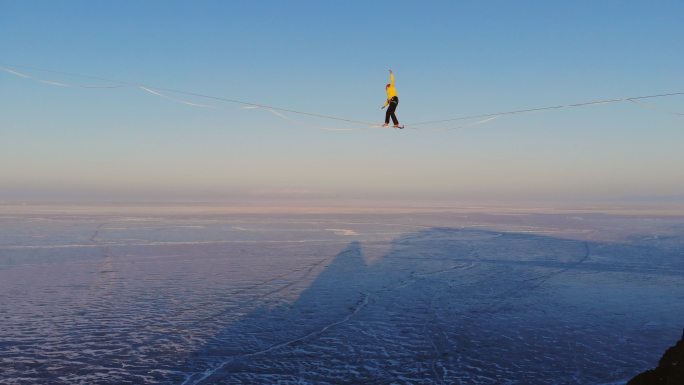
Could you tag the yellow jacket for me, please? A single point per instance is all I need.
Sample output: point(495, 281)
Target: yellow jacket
point(391, 91)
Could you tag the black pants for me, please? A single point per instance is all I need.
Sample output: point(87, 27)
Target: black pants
point(394, 102)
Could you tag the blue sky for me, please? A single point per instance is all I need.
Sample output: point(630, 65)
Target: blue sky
point(450, 58)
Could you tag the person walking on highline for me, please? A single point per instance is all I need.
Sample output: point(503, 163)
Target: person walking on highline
point(392, 101)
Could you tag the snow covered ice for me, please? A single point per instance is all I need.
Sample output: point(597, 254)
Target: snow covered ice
point(394, 298)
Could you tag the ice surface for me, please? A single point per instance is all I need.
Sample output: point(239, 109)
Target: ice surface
point(337, 298)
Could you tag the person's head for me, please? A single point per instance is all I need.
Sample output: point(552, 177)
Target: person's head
point(387, 86)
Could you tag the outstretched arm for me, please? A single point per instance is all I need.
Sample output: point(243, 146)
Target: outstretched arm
point(392, 85)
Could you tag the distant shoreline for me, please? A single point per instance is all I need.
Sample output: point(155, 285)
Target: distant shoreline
point(216, 208)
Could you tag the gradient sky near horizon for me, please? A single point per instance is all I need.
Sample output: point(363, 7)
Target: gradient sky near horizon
point(451, 59)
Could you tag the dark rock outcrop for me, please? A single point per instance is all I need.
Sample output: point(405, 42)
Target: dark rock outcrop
point(670, 370)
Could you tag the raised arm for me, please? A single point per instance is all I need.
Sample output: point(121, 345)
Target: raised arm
point(387, 101)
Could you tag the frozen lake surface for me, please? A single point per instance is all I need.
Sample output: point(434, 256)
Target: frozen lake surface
point(431, 298)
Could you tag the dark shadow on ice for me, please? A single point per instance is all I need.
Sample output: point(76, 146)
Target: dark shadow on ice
point(670, 368)
point(461, 306)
